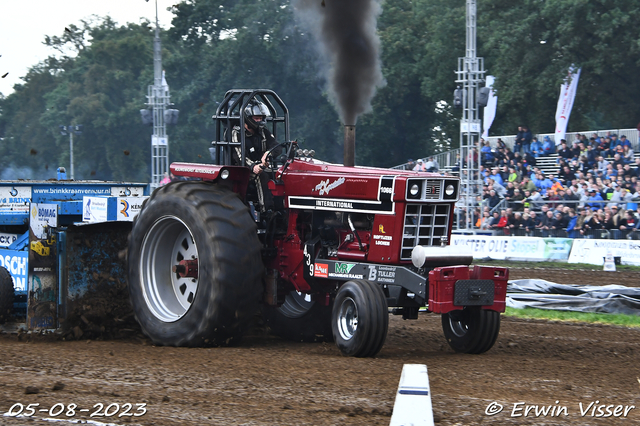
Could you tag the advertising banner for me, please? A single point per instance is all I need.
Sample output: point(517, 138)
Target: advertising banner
point(17, 263)
point(565, 103)
point(14, 199)
point(490, 109)
point(557, 248)
point(42, 284)
point(594, 251)
point(7, 239)
point(514, 248)
point(94, 209)
point(129, 207)
point(43, 216)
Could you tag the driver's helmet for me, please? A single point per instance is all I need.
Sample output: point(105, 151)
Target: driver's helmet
point(256, 108)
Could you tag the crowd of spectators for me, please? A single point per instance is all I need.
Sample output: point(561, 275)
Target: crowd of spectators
point(563, 221)
point(594, 192)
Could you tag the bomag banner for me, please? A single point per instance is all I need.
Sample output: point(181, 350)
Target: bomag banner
point(43, 274)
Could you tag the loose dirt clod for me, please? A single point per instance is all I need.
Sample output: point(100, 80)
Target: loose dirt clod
point(31, 390)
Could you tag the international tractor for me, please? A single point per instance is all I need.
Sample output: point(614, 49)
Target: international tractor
point(343, 248)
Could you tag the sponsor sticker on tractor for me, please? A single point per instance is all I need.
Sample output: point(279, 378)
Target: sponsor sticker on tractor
point(321, 270)
point(343, 270)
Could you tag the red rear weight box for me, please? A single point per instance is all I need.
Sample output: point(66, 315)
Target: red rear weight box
point(453, 287)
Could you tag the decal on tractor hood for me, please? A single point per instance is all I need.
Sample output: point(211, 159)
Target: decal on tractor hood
point(385, 189)
point(336, 204)
point(324, 186)
point(382, 240)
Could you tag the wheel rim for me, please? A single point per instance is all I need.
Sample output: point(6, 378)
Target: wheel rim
point(458, 323)
point(296, 304)
point(168, 295)
point(348, 318)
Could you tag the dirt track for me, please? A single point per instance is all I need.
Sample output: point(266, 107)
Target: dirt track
point(268, 381)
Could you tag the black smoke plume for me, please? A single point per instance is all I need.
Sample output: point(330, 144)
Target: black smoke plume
point(346, 32)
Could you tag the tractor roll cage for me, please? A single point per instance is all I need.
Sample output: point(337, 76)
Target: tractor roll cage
point(229, 114)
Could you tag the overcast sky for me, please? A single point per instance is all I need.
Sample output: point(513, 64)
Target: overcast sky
point(24, 24)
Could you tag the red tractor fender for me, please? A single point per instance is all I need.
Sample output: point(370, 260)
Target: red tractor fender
point(236, 177)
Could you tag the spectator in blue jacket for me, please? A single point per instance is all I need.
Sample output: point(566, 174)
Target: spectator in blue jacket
point(624, 141)
point(614, 143)
point(541, 182)
point(536, 147)
point(572, 232)
point(594, 200)
point(487, 154)
point(496, 176)
point(548, 146)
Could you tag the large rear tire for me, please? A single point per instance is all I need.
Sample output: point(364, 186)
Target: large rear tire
point(194, 265)
point(7, 295)
point(300, 319)
point(360, 318)
point(471, 330)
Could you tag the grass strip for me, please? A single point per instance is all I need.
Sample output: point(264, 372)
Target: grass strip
point(586, 317)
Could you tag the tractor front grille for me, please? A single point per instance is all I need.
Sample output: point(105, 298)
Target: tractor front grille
point(433, 189)
point(425, 225)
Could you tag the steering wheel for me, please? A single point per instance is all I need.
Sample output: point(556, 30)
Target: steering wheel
point(271, 160)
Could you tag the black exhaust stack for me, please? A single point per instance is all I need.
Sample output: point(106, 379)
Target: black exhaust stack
point(349, 145)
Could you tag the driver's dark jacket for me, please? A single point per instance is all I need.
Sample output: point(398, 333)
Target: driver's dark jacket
point(256, 144)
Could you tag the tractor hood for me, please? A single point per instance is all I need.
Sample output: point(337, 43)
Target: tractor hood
point(312, 184)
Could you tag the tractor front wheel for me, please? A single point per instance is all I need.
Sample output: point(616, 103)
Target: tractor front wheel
point(360, 318)
point(6, 295)
point(471, 330)
point(194, 265)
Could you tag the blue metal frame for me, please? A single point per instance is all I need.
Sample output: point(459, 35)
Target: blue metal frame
point(68, 196)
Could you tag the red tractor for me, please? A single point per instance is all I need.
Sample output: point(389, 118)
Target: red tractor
point(341, 247)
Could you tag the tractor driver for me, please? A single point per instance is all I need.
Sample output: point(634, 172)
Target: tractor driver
point(258, 140)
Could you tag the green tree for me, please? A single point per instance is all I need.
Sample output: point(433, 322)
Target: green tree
point(26, 145)
point(101, 89)
point(98, 81)
point(529, 49)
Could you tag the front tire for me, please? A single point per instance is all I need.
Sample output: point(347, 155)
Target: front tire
point(194, 265)
point(300, 319)
point(360, 318)
point(7, 295)
point(471, 330)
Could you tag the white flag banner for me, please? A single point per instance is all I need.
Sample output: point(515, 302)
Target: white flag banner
point(165, 86)
point(490, 109)
point(565, 103)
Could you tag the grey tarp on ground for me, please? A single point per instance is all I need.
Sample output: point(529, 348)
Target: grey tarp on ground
point(541, 294)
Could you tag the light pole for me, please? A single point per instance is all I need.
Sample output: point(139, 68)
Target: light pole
point(158, 114)
point(71, 130)
point(470, 76)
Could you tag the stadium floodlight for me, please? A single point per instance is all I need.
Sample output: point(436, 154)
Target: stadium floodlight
point(70, 130)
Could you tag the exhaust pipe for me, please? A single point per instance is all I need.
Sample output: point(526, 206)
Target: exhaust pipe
point(349, 145)
point(434, 256)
